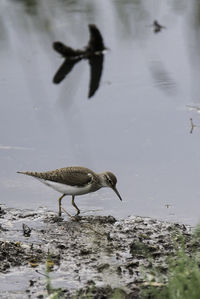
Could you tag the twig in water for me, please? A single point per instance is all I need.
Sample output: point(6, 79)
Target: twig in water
point(192, 125)
point(41, 273)
point(72, 217)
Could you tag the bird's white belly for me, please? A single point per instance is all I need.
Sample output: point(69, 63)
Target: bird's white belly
point(67, 189)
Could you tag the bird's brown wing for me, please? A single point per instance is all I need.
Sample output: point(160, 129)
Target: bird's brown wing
point(73, 176)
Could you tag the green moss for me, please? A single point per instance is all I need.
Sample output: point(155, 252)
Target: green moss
point(92, 291)
point(183, 276)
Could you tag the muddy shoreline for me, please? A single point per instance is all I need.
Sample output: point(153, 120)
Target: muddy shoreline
point(93, 257)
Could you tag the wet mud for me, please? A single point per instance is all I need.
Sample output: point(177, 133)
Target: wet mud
point(42, 255)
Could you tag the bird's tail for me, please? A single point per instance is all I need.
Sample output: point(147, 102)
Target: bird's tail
point(66, 51)
point(27, 173)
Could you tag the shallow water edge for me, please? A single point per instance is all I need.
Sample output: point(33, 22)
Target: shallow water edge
point(94, 255)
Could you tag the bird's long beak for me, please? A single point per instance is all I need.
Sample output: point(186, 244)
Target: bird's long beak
point(116, 191)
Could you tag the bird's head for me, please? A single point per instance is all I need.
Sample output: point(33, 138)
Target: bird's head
point(108, 179)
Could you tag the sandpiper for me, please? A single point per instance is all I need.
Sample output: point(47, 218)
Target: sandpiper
point(74, 181)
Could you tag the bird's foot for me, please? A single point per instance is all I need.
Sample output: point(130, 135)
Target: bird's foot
point(76, 218)
point(68, 214)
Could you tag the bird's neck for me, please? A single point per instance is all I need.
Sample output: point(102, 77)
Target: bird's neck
point(102, 179)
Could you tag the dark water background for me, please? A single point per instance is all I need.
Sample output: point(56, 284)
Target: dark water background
point(137, 124)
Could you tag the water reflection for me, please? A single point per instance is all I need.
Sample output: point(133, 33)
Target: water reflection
point(193, 46)
point(93, 52)
point(163, 78)
point(157, 27)
point(65, 69)
point(30, 6)
point(153, 161)
point(96, 67)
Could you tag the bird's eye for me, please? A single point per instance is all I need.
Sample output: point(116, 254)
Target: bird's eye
point(109, 180)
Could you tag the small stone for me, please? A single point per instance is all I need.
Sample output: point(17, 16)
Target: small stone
point(102, 267)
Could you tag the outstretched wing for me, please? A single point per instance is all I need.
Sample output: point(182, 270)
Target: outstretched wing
point(96, 40)
point(66, 51)
point(64, 69)
point(96, 67)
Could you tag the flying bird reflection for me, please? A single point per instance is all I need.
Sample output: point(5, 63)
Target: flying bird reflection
point(157, 27)
point(93, 52)
point(65, 69)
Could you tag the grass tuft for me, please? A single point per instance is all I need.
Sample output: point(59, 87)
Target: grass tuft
point(183, 278)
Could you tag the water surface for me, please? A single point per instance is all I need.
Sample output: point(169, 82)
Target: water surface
point(136, 125)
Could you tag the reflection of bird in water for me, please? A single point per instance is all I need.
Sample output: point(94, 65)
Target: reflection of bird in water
point(163, 78)
point(94, 45)
point(96, 41)
point(65, 69)
point(66, 51)
point(93, 52)
point(96, 66)
point(157, 26)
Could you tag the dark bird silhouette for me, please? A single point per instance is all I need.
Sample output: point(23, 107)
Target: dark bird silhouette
point(94, 45)
point(96, 40)
point(93, 52)
point(66, 51)
point(96, 66)
point(65, 69)
point(157, 26)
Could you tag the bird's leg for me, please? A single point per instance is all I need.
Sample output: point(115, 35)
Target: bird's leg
point(68, 214)
point(59, 205)
point(73, 203)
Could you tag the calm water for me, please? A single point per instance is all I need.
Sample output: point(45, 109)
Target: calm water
point(137, 124)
